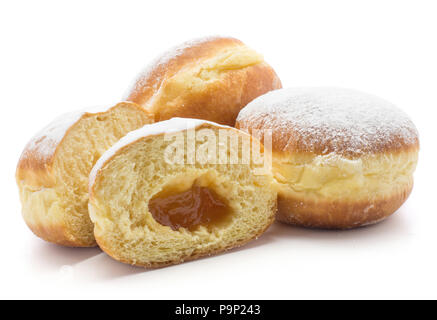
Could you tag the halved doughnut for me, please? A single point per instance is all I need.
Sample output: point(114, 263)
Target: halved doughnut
point(341, 158)
point(210, 78)
point(52, 173)
point(176, 190)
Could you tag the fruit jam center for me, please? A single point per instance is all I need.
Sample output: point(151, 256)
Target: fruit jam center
point(189, 209)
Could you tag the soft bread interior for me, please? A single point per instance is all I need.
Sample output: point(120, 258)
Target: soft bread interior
point(123, 188)
point(335, 178)
point(59, 212)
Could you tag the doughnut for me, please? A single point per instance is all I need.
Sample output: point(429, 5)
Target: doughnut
point(154, 205)
point(52, 172)
point(341, 158)
point(210, 78)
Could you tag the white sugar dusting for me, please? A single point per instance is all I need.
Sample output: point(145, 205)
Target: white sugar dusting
point(164, 127)
point(344, 121)
point(164, 59)
point(44, 143)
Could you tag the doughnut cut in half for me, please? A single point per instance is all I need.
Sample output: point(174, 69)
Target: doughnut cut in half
point(53, 170)
point(178, 190)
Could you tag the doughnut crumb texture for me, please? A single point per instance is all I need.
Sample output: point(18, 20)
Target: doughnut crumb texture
point(152, 213)
point(53, 170)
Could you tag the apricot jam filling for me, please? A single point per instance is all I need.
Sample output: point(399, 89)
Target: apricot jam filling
point(189, 209)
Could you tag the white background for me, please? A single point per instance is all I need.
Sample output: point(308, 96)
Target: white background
point(57, 56)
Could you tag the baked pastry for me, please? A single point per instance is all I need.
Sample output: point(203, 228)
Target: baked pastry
point(210, 78)
point(52, 173)
point(154, 204)
point(341, 158)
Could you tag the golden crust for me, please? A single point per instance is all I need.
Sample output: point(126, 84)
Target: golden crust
point(58, 234)
point(113, 254)
point(98, 174)
point(145, 86)
point(339, 214)
point(322, 121)
point(219, 100)
point(37, 180)
point(45, 225)
point(341, 158)
point(287, 141)
point(111, 250)
point(34, 167)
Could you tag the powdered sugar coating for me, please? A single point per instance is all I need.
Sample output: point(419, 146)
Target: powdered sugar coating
point(329, 120)
point(163, 60)
point(43, 145)
point(163, 127)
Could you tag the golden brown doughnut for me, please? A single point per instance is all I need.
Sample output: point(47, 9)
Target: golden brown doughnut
point(210, 78)
point(52, 173)
point(152, 212)
point(341, 158)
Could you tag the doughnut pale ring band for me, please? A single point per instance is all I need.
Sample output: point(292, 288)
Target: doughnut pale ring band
point(165, 177)
point(341, 158)
point(52, 173)
point(210, 78)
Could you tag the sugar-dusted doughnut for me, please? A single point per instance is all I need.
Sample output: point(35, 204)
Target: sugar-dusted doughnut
point(210, 78)
point(52, 173)
point(341, 158)
point(151, 209)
